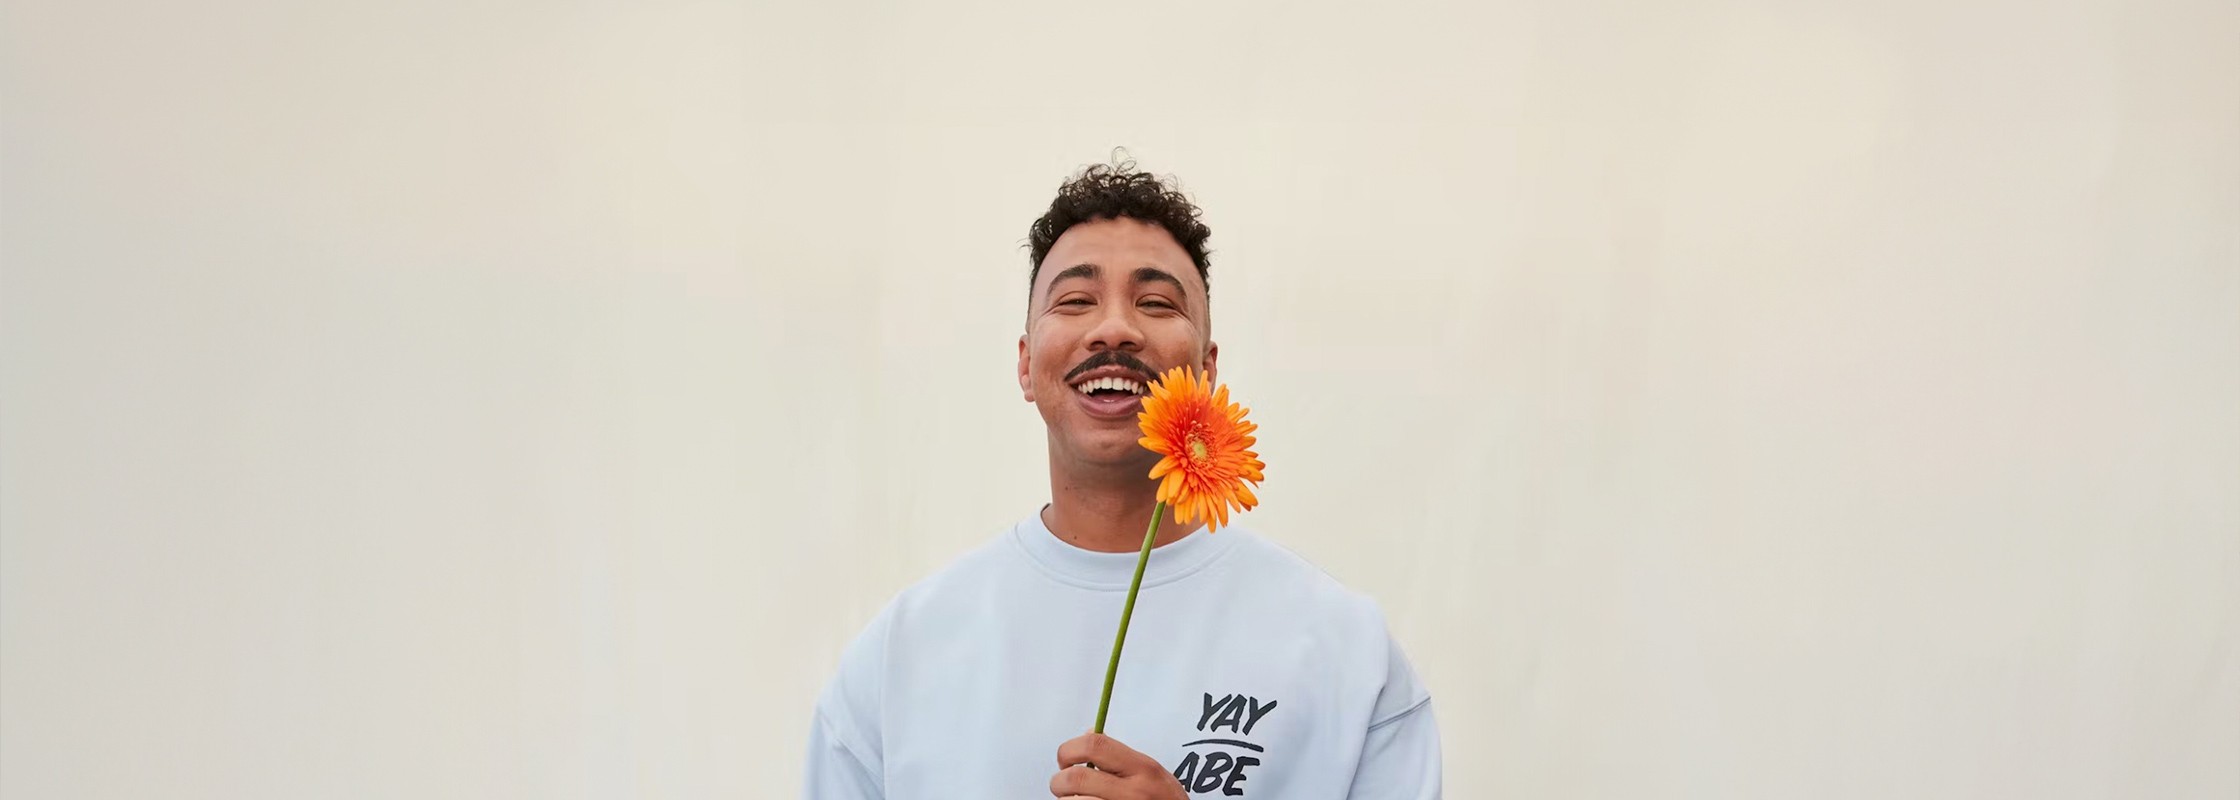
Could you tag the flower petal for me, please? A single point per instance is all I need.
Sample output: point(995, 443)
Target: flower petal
point(1170, 487)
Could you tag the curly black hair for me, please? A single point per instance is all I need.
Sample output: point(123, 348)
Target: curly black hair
point(1111, 191)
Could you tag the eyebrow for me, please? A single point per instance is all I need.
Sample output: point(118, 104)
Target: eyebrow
point(1075, 271)
point(1150, 274)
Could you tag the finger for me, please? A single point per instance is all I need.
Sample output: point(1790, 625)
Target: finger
point(1107, 753)
point(1081, 781)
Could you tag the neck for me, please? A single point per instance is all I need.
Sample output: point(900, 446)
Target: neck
point(1108, 515)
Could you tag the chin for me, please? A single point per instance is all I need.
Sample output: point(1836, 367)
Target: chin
point(1132, 456)
point(1104, 450)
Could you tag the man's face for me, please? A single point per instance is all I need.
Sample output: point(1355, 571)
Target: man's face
point(1116, 300)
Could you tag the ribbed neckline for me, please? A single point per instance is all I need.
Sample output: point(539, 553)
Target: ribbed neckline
point(1089, 569)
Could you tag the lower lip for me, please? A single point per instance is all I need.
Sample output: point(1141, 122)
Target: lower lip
point(1119, 406)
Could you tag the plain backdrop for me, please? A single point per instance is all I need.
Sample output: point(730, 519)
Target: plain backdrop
point(1725, 399)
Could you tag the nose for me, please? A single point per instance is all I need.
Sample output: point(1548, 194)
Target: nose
point(1116, 331)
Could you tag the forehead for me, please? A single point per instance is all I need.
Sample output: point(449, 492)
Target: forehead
point(1118, 247)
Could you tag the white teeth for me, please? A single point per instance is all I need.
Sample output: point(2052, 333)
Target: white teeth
point(1111, 384)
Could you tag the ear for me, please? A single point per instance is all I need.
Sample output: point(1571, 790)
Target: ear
point(1026, 384)
point(1213, 369)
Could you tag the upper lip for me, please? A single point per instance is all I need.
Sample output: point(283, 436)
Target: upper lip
point(1113, 371)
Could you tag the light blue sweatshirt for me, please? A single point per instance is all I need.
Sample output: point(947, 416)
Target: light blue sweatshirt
point(1248, 673)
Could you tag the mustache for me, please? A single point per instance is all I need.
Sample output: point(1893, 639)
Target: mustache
point(1113, 358)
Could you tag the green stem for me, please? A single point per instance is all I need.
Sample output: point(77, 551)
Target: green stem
point(1126, 611)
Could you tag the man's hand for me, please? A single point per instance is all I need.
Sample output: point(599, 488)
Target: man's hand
point(1120, 773)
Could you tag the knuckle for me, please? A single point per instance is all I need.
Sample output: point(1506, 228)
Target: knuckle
point(1068, 781)
point(1078, 751)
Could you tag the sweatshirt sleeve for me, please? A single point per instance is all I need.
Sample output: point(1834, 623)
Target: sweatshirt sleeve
point(1400, 755)
point(834, 771)
point(845, 760)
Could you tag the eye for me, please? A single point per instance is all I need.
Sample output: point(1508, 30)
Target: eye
point(1074, 301)
point(1157, 303)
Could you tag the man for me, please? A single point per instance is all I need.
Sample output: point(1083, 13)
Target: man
point(1248, 672)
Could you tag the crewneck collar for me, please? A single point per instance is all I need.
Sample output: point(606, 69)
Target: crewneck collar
point(1090, 569)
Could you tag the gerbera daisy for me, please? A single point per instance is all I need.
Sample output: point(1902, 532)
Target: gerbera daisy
point(1207, 447)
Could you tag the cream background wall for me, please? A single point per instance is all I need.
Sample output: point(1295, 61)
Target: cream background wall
point(1725, 399)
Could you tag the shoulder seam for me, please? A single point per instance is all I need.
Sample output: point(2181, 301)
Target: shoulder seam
point(846, 739)
point(1420, 704)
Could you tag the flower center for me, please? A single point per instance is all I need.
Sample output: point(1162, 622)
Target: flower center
point(1197, 448)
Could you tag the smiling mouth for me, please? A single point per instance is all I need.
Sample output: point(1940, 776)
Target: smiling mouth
point(1113, 397)
point(1111, 388)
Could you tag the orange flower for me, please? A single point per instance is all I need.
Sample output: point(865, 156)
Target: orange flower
point(1207, 447)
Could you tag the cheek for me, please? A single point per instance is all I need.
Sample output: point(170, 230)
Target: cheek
point(1047, 365)
point(1185, 345)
